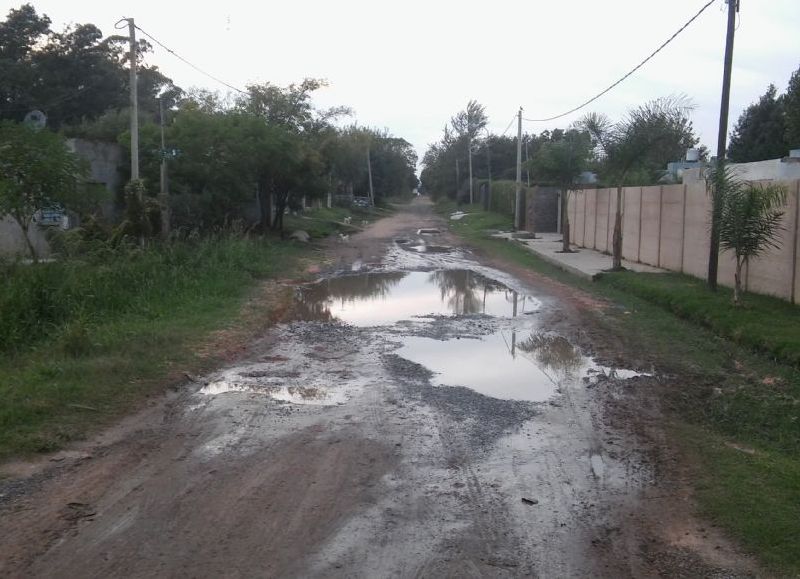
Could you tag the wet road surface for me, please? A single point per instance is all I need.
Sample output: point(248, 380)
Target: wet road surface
point(419, 414)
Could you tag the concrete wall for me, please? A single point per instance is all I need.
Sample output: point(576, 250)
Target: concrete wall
point(104, 161)
point(668, 226)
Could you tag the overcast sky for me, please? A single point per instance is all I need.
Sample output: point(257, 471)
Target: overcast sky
point(408, 66)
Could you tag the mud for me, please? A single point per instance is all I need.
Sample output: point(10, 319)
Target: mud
point(431, 415)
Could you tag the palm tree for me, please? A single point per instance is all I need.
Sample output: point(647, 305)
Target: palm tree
point(749, 220)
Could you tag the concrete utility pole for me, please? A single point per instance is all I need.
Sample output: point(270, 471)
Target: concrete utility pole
point(134, 103)
point(164, 179)
point(716, 210)
point(469, 155)
point(527, 168)
point(519, 203)
point(369, 173)
point(487, 201)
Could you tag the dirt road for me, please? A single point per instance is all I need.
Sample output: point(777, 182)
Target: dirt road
point(421, 412)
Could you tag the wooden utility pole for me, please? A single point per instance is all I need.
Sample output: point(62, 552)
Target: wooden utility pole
point(519, 203)
point(369, 173)
point(722, 135)
point(164, 178)
point(134, 102)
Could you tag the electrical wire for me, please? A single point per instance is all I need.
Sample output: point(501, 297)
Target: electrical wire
point(509, 126)
point(637, 67)
point(179, 57)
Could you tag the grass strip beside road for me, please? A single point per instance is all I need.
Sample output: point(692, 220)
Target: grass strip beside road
point(735, 401)
point(86, 339)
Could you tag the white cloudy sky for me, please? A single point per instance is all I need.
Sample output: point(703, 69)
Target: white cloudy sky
point(408, 66)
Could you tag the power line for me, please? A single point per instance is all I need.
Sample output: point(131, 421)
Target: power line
point(511, 122)
point(637, 67)
point(179, 57)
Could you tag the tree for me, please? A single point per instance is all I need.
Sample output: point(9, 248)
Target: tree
point(639, 147)
point(561, 163)
point(761, 131)
point(749, 220)
point(37, 171)
point(792, 110)
point(467, 125)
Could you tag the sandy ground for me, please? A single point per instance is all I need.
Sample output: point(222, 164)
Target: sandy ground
point(397, 478)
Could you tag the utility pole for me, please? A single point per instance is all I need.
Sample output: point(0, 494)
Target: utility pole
point(369, 173)
point(519, 203)
point(458, 179)
point(469, 156)
point(716, 201)
point(164, 179)
point(134, 103)
point(527, 168)
point(487, 202)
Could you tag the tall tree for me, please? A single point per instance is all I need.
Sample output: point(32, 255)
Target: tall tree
point(467, 125)
point(760, 133)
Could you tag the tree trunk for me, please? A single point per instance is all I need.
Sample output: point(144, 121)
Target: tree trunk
point(564, 220)
point(25, 226)
point(617, 241)
point(737, 282)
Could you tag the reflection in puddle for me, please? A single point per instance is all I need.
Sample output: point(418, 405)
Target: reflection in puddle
point(376, 299)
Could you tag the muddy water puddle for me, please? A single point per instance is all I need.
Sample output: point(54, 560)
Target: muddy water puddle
point(485, 337)
point(385, 298)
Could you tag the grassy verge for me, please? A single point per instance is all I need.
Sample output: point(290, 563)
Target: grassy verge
point(84, 339)
point(735, 403)
point(322, 222)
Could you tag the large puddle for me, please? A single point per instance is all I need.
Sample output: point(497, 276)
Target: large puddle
point(510, 361)
point(467, 329)
point(378, 299)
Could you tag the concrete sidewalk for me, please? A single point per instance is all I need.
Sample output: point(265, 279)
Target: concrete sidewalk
point(585, 263)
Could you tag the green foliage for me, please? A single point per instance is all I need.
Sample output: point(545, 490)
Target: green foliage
point(561, 162)
point(73, 75)
point(636, 150)
point(791, 106)
point(760, 133)
point(37, 171)
point(105, 330)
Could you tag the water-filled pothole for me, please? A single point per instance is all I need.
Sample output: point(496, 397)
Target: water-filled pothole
point(385, 298)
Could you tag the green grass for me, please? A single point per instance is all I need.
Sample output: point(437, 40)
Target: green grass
point(728, 389)
point(83, 340)
point(763, 323)
point(322, 222)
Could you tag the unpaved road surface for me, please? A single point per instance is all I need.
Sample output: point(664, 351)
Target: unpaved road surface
point(420, 412)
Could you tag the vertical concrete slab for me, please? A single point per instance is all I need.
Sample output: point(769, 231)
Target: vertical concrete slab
point(630, 223)
point(671, 227)
point(697, 230)
point(601, 220)
point(651, 210)
point(771, 273)
point(590, 224)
